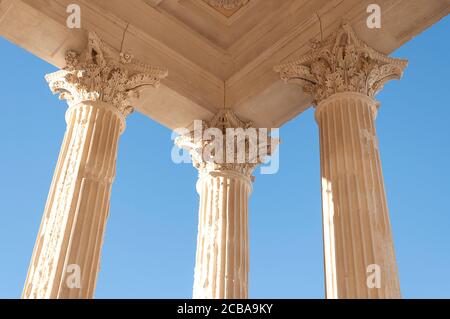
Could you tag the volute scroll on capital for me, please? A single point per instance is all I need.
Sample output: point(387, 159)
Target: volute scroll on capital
point(341, 63)
point(101, 73)
point(226, 119)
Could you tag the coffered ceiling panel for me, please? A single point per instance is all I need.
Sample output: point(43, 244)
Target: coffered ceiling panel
point(227, 7)
point(222, 22)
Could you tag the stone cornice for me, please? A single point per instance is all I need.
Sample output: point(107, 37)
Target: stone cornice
point(342, 63)
point(227, 4)
point(102, 74)
point(195, 143)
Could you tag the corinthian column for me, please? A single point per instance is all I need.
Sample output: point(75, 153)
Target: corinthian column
point(97, 86)
point(224, 186)
point(343, 74)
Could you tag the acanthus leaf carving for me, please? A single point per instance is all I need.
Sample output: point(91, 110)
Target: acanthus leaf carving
point(341, 63)
point(102, 74)
point(225, 119)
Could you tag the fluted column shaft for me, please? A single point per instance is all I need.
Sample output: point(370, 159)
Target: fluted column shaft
point(343, 74)
point(357, 231)
point(98, 84)
point(73, 224)
point(221, 269)
point(224, 186)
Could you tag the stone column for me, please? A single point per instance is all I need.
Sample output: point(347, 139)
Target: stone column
point(343, 74)
point(66, 257)
point(222, 261)
point(221, 269)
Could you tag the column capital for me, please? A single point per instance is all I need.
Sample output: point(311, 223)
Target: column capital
point(341, 63)
point(227, 145)
point(101, 73)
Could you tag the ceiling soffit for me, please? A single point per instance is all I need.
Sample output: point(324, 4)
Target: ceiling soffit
point(212, 63)
point(227, 7)
point(221, 22)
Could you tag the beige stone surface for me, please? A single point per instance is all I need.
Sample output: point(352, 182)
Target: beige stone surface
point(221, 56)
point(343, 74)
point(224, 186)
point(77, 208)
point(214, 61)
point(97, 85)
point(357, 231)
point(222, 261)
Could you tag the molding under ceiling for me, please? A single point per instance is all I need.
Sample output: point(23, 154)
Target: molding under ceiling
point(227, 7)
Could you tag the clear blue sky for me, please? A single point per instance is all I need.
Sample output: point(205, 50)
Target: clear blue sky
point(150, 241)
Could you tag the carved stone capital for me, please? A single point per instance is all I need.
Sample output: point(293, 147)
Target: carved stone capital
point(256, 144)
point(227, 4)
point(342, 63)
point(102, 74)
